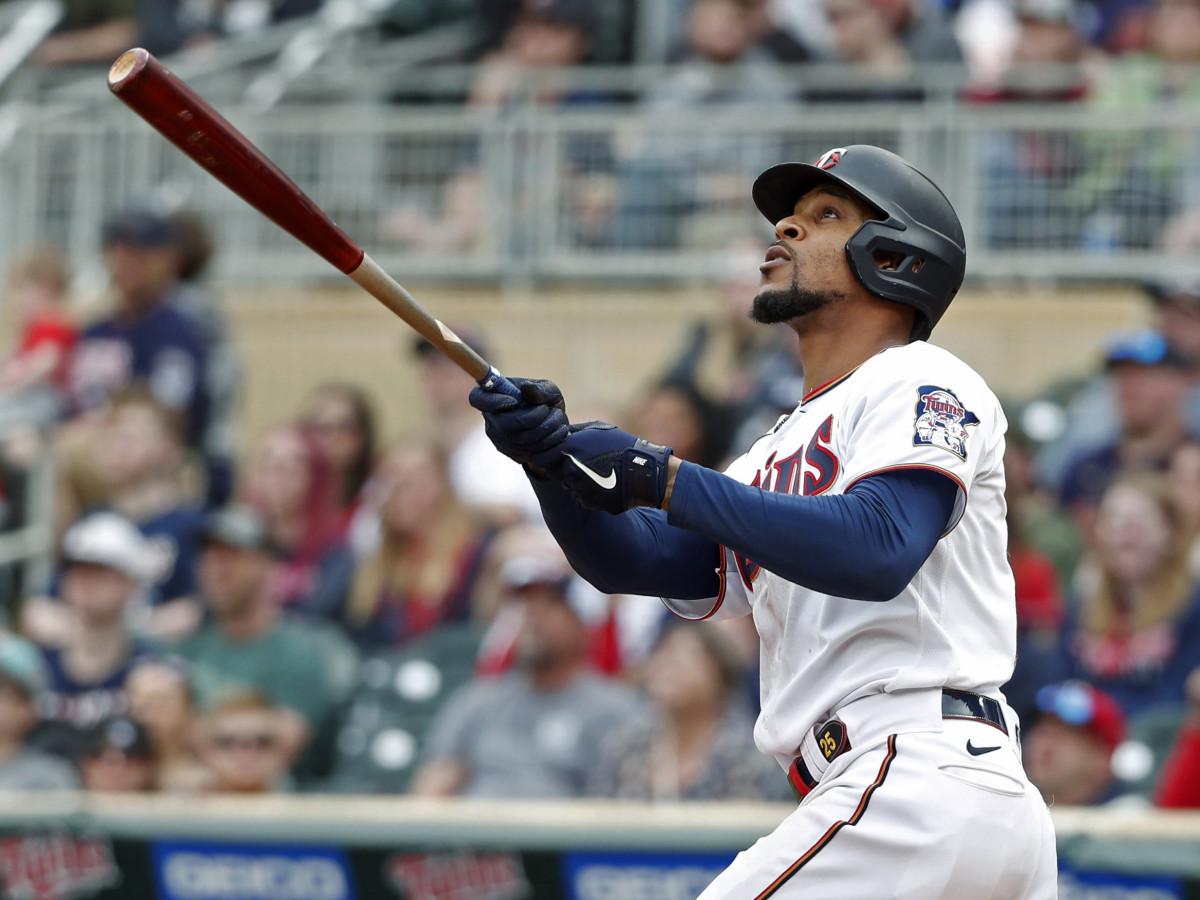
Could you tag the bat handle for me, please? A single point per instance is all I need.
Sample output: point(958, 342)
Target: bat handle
point(496, 383)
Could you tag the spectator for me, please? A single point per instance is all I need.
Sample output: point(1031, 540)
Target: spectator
point(295, 488)
point(147, 339)
point(1136, 628)
point(37, 294)
point(504, 494)
point(108, 568)
point(23, 678)
point(1179, 783)
point(1149, 381)
point(536, 731)
point(696, 742)
point(244, 745)
point(161, 701)
point(1068, 751)
point(91, 32)
point(342, 419)
point(246, 643)
point(427, 567)
point(676, 413)
point(119, 756)
point(141, 457)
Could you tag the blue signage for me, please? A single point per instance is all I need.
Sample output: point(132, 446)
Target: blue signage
point(640, 876)
point(192, 870)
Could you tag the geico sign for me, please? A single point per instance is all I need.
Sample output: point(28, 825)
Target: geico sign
point(217, 876)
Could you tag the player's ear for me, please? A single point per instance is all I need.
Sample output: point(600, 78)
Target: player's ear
point(888, 260)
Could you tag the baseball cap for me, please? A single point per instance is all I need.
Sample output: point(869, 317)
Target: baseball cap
point(1059, 11)
point(139, 228)
point(109, 539)
point(119, 733)
point(1084, 706)
point(1182, 290)
point(422, 349)
point(534, 569)
point(237, 526)
point(22, 664)
point(1143, 348)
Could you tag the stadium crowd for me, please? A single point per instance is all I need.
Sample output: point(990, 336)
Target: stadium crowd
point(333, 611)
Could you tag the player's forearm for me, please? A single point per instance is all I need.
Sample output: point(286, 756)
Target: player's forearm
point(633, 553)
point(864, 545)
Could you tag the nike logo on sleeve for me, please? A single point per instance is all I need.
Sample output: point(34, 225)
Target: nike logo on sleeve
point(607, 482)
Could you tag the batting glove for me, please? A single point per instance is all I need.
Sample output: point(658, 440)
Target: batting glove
point(608, 469)
point(521, 428)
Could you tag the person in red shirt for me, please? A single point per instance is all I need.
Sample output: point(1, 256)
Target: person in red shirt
point(1179, 783)
point(37, 290)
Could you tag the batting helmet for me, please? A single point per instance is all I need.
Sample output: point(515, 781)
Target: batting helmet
point(915, 220)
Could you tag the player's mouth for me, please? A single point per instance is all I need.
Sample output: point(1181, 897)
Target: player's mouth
point(777, 255)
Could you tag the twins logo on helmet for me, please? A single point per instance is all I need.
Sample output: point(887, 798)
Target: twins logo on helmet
point(830, 158)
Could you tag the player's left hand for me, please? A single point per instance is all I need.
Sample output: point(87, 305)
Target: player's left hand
point(608, 469)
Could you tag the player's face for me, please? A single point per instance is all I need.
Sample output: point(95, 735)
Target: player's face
point(806, 268)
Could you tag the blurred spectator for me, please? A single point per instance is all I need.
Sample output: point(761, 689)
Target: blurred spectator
point(426, 569)
point(23, 678)
point(1130, 184)
point(37, 294)
point(108, 568)
point(675, 413)
point(296, 489)
point(696, 742)
point(504, 495)
point(675, 186)
point(161, 701)
point(536, 731)
point(118, 756)
point(141, 457)
point(147, 339)
point(610, 23)
point(1179, 783)
point(341, 417)
point(200, 303)
point(91, 32)
point(1136, 628)
point(1150, 382)
point(247, 643)
point(545, 34)
point(244, 745)
point(1068, 750)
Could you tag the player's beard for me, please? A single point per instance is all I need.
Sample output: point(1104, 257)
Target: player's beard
point(773, 306)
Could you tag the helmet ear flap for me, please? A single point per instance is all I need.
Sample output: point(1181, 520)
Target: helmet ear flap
point(918, 276)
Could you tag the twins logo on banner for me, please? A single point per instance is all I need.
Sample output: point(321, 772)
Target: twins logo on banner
point(55, 867)
point(458, 875)
point(942, 420)
point(202, 871)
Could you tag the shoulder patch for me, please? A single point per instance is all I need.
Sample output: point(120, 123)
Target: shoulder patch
point(942, 420)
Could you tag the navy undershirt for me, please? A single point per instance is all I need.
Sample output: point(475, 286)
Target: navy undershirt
point(866, 544)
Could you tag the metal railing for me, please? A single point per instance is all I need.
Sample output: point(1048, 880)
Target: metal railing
point(1045, 192)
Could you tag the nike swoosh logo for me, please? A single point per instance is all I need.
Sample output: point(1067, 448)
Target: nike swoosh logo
point(979, 751)
point(606, 482)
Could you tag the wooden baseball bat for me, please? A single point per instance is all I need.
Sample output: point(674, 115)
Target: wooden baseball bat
point(178, 113)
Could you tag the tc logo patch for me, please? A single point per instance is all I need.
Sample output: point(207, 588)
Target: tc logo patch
point(942, 420)
point(830, 158)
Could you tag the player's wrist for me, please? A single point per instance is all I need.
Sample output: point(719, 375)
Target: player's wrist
point(673, 464)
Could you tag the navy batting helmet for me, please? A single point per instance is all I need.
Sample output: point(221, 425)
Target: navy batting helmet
point(915, 220)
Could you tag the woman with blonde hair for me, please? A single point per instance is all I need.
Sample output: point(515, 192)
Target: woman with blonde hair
point(1136, 633)
point(427, 567)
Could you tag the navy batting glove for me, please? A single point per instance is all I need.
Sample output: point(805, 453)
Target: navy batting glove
point(608, 469)
point(521, 428)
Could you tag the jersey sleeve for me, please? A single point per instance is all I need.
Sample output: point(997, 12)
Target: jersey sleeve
point(936, 417)
point(733, 598)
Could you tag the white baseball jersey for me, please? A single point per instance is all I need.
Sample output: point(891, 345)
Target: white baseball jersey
point(954, 625)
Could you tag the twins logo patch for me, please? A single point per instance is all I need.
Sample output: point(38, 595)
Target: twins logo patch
point(942, 420)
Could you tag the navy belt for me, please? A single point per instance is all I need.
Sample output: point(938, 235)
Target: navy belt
point(829, 740)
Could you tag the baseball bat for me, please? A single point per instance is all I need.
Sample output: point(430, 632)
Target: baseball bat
point(177, 112)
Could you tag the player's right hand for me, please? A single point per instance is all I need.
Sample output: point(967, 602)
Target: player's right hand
point(522, 428)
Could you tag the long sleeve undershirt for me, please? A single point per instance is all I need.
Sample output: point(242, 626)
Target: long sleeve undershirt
point(866, 544)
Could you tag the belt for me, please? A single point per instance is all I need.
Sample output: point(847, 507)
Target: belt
point(828, 740)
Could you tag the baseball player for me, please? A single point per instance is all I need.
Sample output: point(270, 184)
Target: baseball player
point(865, 533)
